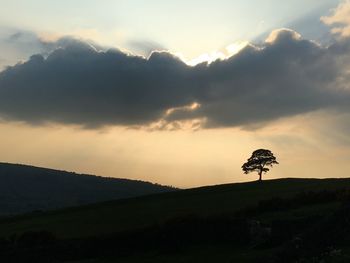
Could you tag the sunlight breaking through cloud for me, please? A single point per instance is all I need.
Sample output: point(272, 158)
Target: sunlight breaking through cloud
point(225, 53)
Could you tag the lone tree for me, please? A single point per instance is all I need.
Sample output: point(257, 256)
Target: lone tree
point(259, 161)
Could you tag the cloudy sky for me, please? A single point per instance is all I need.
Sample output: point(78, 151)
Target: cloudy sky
point(176, 93)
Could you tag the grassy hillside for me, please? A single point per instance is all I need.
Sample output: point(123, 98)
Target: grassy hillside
point(26, 188)
point(286, 220)
point(136, 213)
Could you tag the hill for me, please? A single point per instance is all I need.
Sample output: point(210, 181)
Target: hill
point(285, 220)
point(120, 215)
point(26, 188)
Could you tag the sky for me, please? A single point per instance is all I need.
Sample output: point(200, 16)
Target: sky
point(176, 93)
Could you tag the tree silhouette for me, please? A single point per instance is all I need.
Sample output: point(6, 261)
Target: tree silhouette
point(259, 161)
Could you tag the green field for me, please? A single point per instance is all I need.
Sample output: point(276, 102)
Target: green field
point(136, 213)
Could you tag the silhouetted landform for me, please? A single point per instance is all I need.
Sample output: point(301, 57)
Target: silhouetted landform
point(26, 188)
point(287, 220)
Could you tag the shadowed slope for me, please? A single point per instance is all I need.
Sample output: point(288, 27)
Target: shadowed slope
point(135, 213)
point(26, 188)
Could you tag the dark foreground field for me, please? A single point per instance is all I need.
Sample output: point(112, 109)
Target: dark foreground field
point(287, 220)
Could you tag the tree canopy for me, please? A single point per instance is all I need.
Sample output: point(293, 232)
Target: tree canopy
point(259, 161)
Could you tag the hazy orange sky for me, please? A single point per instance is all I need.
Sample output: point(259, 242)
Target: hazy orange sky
point(304, 146)
point(165, 118)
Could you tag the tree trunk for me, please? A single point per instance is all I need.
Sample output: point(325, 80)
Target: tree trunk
point(260, 173)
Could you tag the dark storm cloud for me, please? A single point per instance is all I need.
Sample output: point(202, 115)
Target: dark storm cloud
point(79, 84)
point(26, 41)
point(16, 44)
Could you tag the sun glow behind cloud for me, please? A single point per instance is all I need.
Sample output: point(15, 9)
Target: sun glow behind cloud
point(225, 53)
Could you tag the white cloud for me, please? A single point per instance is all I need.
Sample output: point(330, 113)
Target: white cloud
point(339, 19)
point(282, 32)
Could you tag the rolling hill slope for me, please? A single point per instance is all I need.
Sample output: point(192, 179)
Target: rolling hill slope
point(136, 213)
point(285, 220)
point(26, 188)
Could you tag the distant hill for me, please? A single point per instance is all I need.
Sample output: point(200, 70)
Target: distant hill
point(26, 188)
